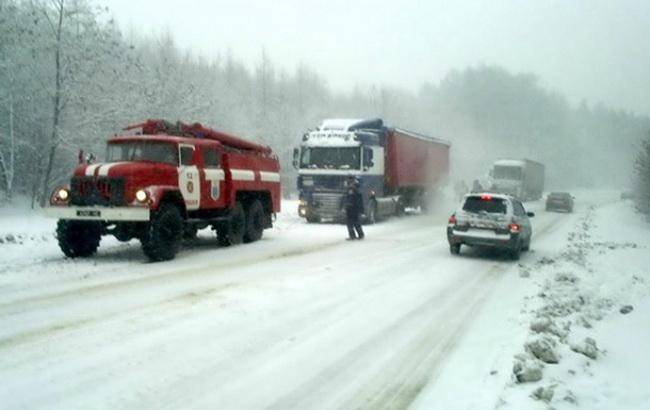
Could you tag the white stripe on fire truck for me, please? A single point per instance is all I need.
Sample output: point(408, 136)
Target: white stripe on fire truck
point(242, 174)
point(215, 174)
point(269, 176)
point(90, 170)
point(103, 170)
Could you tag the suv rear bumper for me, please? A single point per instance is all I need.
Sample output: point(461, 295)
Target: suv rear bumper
point(485, 238)
point(92, 213)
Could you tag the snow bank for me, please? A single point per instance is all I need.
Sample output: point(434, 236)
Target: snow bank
point(582, 339)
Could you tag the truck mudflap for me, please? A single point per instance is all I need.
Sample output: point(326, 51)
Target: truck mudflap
point(91, 213)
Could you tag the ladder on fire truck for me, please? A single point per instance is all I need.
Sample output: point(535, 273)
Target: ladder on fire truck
point(196, 130)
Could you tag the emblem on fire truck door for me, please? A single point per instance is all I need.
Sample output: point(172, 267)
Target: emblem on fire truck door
point(215, 189)
point(190, 187)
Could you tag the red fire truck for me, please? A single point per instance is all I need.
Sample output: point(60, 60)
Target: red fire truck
point(163, 181)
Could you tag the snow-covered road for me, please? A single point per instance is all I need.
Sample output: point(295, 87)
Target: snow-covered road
point(301, 319)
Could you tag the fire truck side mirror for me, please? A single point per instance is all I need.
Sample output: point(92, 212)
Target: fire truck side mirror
point(296, 154)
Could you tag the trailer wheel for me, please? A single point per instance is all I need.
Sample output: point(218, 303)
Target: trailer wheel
point(254, 221)
point(163, 237)
point(232, 232)
point(78, 238)
point(399, 208)
point(312, 219)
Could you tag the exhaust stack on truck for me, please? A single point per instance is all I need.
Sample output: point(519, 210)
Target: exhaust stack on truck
point(396, 168)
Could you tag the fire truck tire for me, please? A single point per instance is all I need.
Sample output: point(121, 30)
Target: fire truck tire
point(78, 238)
point(190, 232)
point(254, 221)
point(163, 238)
point(232, 232)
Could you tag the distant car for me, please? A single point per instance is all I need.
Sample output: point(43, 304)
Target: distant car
point(490, 220)
point(559, 201)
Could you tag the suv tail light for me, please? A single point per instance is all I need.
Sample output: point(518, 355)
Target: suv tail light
point(452, 220)
point(514, 228)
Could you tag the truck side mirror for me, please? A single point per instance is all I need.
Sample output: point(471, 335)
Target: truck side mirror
point(296, 154)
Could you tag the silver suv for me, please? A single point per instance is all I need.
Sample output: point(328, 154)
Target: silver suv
point(490, 220)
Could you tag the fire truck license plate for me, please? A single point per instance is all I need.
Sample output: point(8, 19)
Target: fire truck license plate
point(89, 213)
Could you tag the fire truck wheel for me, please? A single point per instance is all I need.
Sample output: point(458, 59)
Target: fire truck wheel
point(190, 232)
point(163, 238)
point(232, 233)
point(254, 221)
point(78, 238)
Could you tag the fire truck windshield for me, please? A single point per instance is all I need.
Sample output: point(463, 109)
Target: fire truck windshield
point(152, 151)
point(330, 157)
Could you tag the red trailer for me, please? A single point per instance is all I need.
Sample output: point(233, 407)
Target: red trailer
point(415, 161)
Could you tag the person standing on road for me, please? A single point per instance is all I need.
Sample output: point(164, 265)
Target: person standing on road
point(353, 203)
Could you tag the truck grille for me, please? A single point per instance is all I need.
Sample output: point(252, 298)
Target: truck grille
point(327, 205)
point(87, 191)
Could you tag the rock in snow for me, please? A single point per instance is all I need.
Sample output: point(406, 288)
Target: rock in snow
point(626, 309)
point(543, 348)
point(544, 394)
point(527, 369)
point(587, 347)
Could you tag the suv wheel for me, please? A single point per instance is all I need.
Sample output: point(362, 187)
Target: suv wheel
point(254, 221)
point(516, 252)
point(78, 238)
point(163, 238)
point(454, 249)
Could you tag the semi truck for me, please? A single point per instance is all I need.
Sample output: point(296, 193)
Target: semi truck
point(520, 178)
point(396, 169)
point(163, 181)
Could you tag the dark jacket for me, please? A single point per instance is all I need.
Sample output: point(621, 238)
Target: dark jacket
point(353, 202)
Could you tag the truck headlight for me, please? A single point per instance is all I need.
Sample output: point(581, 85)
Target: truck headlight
point(62, 194)
point(141, 195)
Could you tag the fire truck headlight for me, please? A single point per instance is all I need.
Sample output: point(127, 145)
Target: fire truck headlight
point(62, 194)
point(141, 196)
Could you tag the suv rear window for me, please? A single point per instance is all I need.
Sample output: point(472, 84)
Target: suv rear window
point(490, 205)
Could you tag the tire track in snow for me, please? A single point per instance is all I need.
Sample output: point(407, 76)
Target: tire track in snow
point(98, 289)
point(422, 334)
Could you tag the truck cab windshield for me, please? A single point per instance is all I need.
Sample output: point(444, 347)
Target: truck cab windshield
point(330, 157)
point(152, 151)
point(512, 173)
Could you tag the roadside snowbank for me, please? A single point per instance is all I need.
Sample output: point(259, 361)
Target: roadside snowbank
point(588, 335)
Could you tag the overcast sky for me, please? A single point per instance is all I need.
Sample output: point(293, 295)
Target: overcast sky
point(593, 49)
